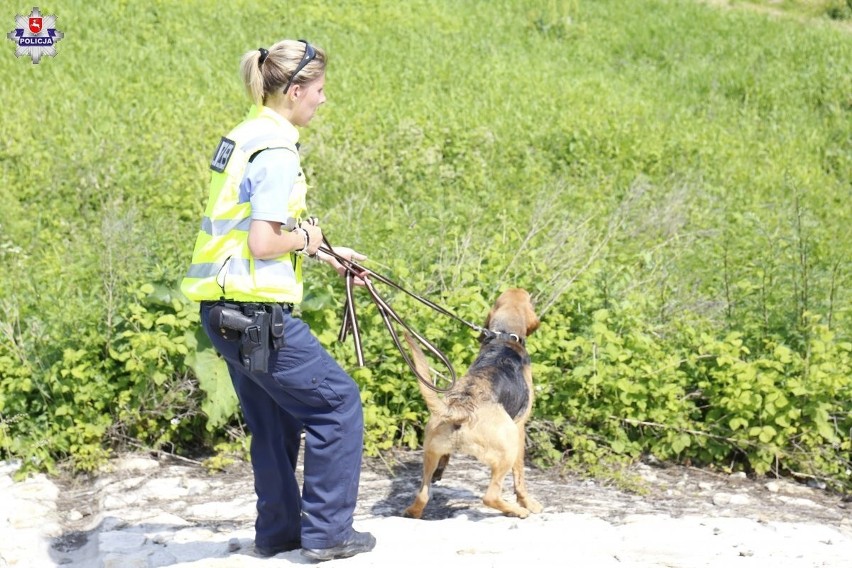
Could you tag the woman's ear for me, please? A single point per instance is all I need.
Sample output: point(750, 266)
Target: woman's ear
point(294, 92)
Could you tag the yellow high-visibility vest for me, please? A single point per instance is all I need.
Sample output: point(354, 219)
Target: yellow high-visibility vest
point(222, 266)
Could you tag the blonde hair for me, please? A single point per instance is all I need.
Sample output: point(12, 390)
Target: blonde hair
point(268, 71)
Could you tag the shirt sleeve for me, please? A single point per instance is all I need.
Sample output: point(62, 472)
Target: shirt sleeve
point(267, 183)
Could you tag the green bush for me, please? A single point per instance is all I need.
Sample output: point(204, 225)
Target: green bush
point(670, 182)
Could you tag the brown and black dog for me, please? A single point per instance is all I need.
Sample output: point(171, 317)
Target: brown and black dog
point(485, 413)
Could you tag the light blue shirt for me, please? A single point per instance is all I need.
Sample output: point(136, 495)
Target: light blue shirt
point(267, 183)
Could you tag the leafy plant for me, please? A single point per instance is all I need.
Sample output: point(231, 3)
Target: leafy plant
point(670, 182)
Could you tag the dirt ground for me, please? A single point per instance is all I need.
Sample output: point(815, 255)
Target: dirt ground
point(672, 490)
point(156, 511)
point(388, 485)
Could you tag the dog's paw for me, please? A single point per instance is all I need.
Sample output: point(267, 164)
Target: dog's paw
point(531, 505)
point(412, 513)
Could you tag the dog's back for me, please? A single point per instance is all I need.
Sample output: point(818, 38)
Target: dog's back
point(497, 375)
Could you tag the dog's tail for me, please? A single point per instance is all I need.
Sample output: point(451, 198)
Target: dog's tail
point(437, 406)
point(435, 403)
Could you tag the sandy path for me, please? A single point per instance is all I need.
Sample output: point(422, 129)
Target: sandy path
point(148, 513)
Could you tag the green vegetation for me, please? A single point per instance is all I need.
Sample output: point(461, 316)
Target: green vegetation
point(840, 10)
point(670, 179)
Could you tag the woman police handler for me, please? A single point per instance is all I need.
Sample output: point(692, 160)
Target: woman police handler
point(247, 273)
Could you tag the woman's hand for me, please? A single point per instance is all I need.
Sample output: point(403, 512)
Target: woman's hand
point(348, 254)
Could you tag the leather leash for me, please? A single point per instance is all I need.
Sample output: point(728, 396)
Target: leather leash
point(350, 320)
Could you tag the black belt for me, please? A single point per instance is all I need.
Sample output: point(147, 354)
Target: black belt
point(265, 306)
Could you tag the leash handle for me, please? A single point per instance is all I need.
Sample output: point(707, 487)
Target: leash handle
point(351, 264)
point(387, 314)
point(350, 322)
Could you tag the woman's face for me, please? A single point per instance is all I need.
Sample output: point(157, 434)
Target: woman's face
point(308, 98)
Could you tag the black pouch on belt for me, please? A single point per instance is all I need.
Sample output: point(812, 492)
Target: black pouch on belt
point(276, 326)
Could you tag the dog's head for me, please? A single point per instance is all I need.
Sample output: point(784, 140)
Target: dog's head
point(513, 312)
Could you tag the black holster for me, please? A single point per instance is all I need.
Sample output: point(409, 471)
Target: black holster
point(259, 327)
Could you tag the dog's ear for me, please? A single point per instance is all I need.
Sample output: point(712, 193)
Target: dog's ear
point(532, 319)
point(532, 323)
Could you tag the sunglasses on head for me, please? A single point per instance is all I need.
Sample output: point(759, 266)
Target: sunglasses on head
point(310, 54)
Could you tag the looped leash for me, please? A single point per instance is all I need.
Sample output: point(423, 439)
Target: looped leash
point(350, 321)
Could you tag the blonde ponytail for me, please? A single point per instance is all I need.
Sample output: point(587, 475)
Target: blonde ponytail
point(266, 72)
point(252, 73)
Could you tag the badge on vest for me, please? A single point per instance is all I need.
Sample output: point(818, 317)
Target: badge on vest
point(222, 154)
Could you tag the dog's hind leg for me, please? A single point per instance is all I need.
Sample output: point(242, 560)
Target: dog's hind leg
point(494, 494)
point(431, 461)
point(524, 499)
point(500, 455)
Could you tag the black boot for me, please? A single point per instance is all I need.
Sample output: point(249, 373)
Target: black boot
point(355, 544)
point(267, 551)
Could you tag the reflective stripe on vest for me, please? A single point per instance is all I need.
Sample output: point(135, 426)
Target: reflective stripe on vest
point(219, 227)
point(222, 265)
point(240, 267)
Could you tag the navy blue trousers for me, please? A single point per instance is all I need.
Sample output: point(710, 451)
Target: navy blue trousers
point(305, 389)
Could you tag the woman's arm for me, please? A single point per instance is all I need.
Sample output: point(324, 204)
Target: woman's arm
point(266, 239)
